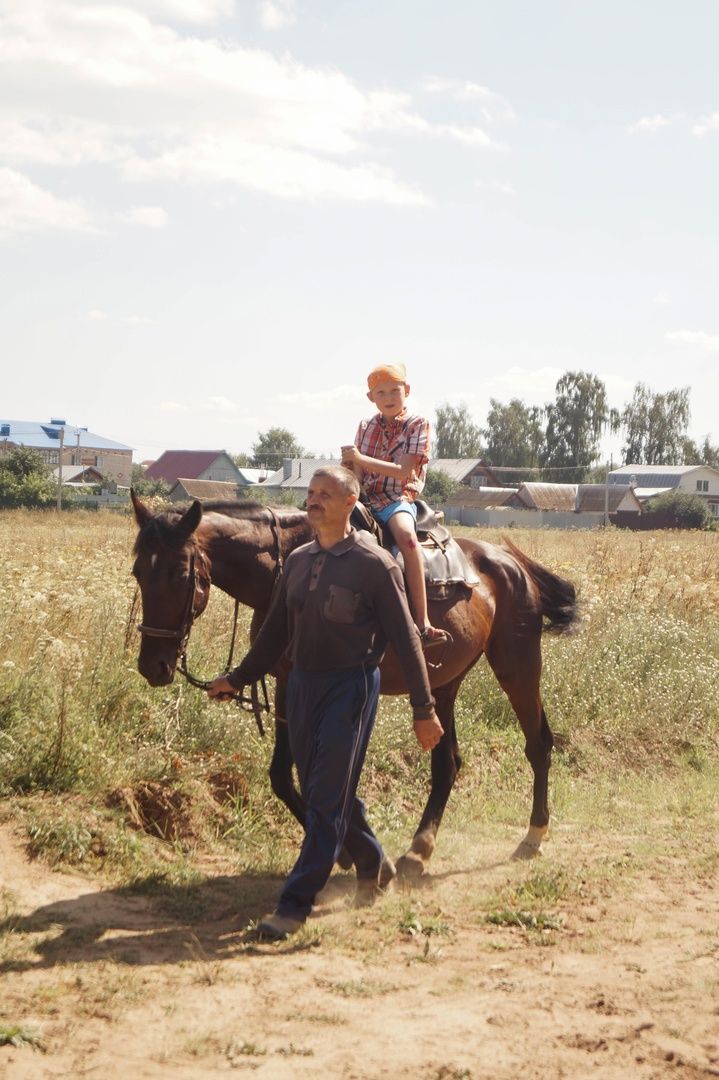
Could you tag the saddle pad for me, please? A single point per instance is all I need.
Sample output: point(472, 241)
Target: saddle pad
point(446, 564)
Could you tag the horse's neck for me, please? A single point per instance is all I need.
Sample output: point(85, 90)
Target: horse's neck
point(243, 554)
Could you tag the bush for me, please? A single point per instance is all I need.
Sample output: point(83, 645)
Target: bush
point(690, 511)
point(438, 487)
point(24, 480)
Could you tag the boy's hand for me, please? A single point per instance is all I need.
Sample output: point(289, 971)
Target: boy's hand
point(350, 455)
point(409, 464)
point(428, 732)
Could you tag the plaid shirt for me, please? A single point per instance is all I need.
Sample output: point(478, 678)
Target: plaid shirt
point(387, 440)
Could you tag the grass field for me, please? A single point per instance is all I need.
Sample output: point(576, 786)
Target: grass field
point(86, 747)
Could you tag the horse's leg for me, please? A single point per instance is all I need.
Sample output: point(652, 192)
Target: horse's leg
point(517, 663)
point(446, 762)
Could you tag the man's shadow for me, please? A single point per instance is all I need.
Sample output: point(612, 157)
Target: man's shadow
point(149, 922)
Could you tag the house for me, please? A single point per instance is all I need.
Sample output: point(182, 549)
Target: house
point(540, 496)
point(60, 443)
point(186, 490)
point(294, 477)
point(194, 465)
point(479, 498)
point(472, 472)
point(650, 481)
point(77, 474)
point(536, 505)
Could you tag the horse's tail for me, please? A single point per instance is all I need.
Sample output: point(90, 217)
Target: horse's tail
point(560, 609)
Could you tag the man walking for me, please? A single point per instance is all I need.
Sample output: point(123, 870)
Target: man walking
point(339, 602)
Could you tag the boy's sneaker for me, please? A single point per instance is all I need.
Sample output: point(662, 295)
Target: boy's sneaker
point(277, 927)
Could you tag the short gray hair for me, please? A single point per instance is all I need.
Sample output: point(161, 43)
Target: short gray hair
point(341, 476)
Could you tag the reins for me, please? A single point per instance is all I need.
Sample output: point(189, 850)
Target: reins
point(253, 703)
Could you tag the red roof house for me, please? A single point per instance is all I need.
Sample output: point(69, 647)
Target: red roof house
point(194, 465)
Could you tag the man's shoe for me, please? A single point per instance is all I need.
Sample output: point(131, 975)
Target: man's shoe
point(277, 927)
point(371, 889)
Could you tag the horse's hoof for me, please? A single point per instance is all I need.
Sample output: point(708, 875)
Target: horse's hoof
point(525, 851)
point(410, 867)
point(531, 846)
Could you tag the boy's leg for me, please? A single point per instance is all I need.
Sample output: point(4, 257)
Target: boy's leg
point(402, 527)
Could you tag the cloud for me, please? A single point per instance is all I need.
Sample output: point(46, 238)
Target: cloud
point(708, 342)
point(495, 185)
point(322, 399)
point(650, 123)
point(138, 320)
point(276, 14)
point(706, 124)
point(661, 300)
point(25, 207)
point(85, 83)
point(96, 315)
point(493, 107)
point(173, 407)
point(153, 217)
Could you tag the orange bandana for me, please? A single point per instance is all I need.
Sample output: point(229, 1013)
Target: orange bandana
point(387, 373)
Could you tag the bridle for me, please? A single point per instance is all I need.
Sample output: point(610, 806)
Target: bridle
point(199, 583)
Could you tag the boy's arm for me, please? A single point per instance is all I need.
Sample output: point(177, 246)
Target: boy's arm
point(402, 470)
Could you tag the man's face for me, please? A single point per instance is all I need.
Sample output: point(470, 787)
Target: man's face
point(389, 397)
point(328, 504)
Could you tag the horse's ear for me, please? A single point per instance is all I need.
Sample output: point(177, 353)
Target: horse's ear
point(190, 520)
point(143, 514)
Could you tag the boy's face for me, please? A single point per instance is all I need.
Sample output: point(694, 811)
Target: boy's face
point(389, 397)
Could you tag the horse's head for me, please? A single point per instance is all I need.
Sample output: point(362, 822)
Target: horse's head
point(173, 574)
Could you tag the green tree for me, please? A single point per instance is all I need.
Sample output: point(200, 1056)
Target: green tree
point(273, 445)
point(689, 511)
point(241, 460)
point(575, 422)
point(655, 427)
point(706, 454)
point(438, 487)
point(514, 434)
point(147, 487)
point(455, 433)
point(24, 479)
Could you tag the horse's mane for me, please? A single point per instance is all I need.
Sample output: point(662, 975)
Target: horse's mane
point(160, 531)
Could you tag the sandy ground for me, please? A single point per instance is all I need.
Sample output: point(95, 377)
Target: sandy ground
point(124, 984)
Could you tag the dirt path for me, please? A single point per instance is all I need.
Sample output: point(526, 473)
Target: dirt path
point(124, 984)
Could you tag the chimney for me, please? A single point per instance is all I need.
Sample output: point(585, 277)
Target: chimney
point(286, 468)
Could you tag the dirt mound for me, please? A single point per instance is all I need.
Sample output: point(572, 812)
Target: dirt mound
point(163, 809)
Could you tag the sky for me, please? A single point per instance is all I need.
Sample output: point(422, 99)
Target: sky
point(216, 216)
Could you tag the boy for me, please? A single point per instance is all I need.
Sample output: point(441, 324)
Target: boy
point(389, 458)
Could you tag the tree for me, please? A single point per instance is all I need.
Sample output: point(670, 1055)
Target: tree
point(455, 434)
point(145, 486)
point(706, 454)
point(575, 421)
point(241, 460)
point(438, 487)
point(655, 427)
point(690, 511)
point(514, 434)
point(274, 445)
point(24, 479)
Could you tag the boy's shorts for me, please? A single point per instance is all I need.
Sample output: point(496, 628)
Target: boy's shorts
point(386, 512)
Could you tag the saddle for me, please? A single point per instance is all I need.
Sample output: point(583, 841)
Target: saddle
point(445, 565)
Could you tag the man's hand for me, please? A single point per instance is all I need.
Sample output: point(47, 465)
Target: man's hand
point(428, 732)
point(221, 689)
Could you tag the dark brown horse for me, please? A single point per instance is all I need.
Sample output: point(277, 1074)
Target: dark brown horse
point(237, 547)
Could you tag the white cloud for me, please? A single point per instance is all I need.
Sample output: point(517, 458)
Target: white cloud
point(708, 342)
point(493, 107)
point(706, 124)
point(25, 207)
point(138, 320)
point(662, 300)
point(322, 399)
point(198, 109)
point(650, 123)
point(173, 407)
point(495, 185)
point(96, 315)
point(276, 14)
point(152, 217)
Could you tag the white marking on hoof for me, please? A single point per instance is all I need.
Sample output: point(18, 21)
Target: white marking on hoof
point(531, 846)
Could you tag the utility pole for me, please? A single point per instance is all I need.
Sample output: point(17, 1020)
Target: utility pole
point(606, 497)
point(59, 471)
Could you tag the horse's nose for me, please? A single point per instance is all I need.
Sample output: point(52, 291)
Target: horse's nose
point(157, 673)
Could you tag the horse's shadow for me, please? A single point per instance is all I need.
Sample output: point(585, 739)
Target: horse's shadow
point(150, 922)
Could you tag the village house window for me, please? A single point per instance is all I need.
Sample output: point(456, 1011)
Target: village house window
point(51, 457)
point(702, 485)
